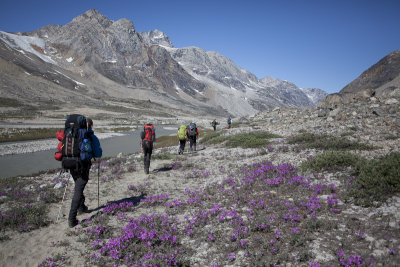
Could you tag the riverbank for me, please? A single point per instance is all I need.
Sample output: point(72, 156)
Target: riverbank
point(12, 148)
point(24, 158)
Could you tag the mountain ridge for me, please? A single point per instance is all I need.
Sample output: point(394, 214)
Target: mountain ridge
point(92, 45)
point(381, 80)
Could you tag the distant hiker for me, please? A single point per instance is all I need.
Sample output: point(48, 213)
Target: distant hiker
point(182, 138)
point(192, 134)
point(214, 124)
point(229, 121)
point(79, 146)
point(148, 136)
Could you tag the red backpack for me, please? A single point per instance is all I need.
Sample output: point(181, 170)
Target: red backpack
point(148, 132)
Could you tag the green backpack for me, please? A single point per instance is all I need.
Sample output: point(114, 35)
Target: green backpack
point(182, 132)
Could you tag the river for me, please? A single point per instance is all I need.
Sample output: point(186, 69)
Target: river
point(29, 163)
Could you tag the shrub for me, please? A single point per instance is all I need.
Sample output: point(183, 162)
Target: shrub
point(28, 134)
point(327, 142)
point(250, 140)
point(377, 180)
point(24, 218)
point(245, 140)
point(164, 156)
point(331, 161)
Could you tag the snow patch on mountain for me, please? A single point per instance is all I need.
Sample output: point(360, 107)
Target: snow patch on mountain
point(25, 43)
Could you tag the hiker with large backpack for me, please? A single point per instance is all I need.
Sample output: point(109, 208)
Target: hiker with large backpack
point(192, 134)
point(182, 136)
point(78, 147)
point(148, 136)
point(214, 124)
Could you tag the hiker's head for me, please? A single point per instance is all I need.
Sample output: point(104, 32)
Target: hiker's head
point(89, 122)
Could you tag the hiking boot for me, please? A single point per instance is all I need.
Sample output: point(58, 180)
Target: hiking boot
point(72, 223)
point(83, 209)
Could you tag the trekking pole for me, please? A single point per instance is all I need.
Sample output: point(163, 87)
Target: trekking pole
point(62, 202)
point(98, 185)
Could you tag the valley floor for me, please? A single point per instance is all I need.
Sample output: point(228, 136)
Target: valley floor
point(218, 206)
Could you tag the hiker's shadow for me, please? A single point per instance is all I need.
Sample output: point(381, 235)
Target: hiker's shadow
point(134, 200)
point(163, 169)
point(194, 152)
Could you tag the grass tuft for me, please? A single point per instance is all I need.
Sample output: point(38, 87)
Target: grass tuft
point(244, 140)
point(327, 142)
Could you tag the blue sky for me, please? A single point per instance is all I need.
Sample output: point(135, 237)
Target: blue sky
point(324, 44)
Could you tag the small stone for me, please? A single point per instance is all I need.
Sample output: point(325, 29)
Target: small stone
point(391, 101)
point(334, 112)
point(58, 185)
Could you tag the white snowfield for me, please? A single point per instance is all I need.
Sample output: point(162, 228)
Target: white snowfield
point(25, 43)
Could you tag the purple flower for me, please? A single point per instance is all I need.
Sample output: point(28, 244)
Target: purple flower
point(340, 253)
point(277, 234)
point(231, 256)
point(295, 230)
point(233, 237)
point(333, 187)
point(360, 234)
point(210, 236)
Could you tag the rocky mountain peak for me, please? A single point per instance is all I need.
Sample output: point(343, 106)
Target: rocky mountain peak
point(156, 37)
point(92, 16)
point(125, 25)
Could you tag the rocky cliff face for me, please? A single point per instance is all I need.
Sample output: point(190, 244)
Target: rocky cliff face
point(378, 77)
point(381, 80)
point(109, 60)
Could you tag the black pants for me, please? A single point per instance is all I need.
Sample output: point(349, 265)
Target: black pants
point(215, 127)
point(192, 140)
point(81, 178)
point(147, 150)
point(182, 144)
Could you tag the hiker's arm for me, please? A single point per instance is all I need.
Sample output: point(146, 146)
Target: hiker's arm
point(97, 150)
